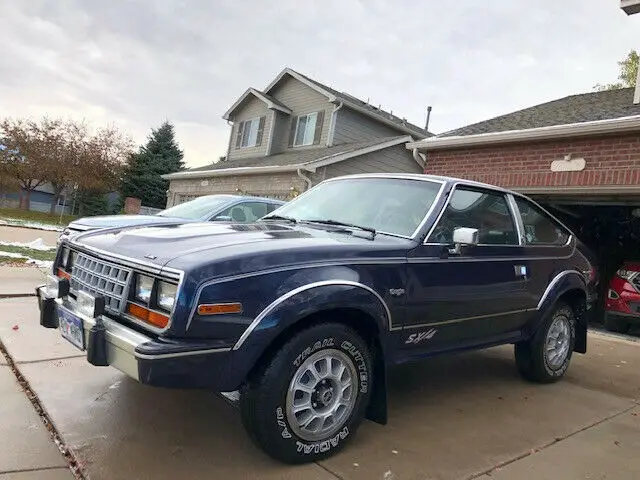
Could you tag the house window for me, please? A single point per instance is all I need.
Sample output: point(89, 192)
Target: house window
point(306, 129)
point(249, 133)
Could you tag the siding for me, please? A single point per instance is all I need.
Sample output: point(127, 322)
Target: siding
point(396, 159)
point(251, 109)
point(300, 99)
point(280, 132)
point(352, 126)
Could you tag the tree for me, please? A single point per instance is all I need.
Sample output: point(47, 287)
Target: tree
point(161, 155)
point(64, 153)
point(628, 73)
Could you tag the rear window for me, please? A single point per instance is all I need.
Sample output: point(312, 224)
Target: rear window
point(539, 228)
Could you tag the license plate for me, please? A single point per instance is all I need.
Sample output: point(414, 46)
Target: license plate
point(71, 327)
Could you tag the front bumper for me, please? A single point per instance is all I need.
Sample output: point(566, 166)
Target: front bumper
point(631, 318)
point(150, 360)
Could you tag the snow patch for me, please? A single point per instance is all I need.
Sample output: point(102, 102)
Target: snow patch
point(14, 222)
point(30, 261)
point(37, 244)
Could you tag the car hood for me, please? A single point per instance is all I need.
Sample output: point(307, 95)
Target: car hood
point(118, 221)
point(241, 247)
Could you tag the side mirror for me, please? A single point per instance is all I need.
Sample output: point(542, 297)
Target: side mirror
point(462, 237)
point(223, 218)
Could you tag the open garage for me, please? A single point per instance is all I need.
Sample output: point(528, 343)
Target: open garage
point(578, 156)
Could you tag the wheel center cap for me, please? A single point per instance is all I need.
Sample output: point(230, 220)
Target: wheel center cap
point(326, 396)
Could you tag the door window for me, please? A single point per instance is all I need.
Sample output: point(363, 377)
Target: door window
point(247, 212)
point(539, 228)
point(484, 210)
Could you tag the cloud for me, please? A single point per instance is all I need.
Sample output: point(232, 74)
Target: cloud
point(137, 63)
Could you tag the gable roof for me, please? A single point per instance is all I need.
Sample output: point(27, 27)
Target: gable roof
point(308, 159)
point(586, 107)
point(352, 102)
point(267, 99)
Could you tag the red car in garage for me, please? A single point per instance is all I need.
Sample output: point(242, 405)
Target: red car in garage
point(623, 298)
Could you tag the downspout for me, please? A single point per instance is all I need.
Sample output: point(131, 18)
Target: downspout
point(230, 139)
point(334, 119)
point(303, 177)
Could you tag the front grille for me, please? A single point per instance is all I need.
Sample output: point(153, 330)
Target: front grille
point(98, 277)
point(636, 282)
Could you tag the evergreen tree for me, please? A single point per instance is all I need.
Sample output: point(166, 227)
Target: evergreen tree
point(161, 155)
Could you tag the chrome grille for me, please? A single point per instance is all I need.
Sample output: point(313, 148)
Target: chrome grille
point(636, 282)
point(98, 277)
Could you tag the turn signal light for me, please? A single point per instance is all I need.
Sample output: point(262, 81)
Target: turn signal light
point(219, 308)
point(146, 315)
point(62, 274)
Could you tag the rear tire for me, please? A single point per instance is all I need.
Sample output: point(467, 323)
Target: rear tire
point(309, 397)
point(545, 357)
point(616, 325)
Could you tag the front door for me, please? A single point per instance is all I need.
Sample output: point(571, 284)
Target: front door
point(476, 295)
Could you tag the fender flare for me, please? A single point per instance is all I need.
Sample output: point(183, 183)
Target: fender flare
point(280, 304)
point(561, 283)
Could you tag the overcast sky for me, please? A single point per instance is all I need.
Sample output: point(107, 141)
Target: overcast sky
point(136, 63)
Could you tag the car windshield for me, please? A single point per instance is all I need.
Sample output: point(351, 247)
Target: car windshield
point(388, 205)
point(195, 209)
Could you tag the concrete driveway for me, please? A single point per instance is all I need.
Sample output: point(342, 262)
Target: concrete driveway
point(462, 417)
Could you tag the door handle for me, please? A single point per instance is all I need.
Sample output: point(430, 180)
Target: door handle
point(521, 271)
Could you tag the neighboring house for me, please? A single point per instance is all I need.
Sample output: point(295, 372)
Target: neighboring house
point(295, 133)
point(40, 200)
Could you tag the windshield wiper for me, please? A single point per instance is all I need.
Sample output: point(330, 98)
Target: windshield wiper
point(337, 223)
point(280, 217)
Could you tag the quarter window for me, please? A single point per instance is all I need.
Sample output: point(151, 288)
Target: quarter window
point(486, 211)
point(539, 228)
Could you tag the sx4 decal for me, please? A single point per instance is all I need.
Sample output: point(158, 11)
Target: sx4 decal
point(420, 336)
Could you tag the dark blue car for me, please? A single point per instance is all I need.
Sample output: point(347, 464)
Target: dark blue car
point(303, 311)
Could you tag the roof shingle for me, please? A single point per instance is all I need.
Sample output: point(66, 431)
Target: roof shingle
point(586, 107)
point(298, 157)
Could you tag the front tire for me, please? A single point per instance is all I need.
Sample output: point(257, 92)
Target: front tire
point(309, 397)
point(545, 357)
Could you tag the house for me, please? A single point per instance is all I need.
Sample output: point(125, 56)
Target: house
point(295, 133)
point(579, 156)
point(40, 199)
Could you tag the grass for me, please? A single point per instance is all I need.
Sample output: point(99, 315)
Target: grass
point(47, 255)
point(40, 217)
point(12, 262)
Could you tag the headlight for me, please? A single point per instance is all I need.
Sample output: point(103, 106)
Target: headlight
point(144, 285)
point(626, 274)
point(166, 295)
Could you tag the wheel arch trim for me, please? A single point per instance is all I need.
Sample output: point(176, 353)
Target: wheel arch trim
point(278, 301)
point(555, 282)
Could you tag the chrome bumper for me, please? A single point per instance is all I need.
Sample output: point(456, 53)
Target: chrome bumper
point(121, 341)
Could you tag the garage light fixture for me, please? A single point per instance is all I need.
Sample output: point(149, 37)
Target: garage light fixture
point(635, 212)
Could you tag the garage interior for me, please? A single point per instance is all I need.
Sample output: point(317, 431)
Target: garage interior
point(609, 224)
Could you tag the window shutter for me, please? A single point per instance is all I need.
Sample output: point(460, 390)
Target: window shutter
point(239, 134)
point(260, 131)
point(292, 133)
point(319, 122)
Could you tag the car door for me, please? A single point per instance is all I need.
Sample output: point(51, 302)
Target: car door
point(476, 295)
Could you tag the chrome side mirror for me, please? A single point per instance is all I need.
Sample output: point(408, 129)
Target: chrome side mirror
point(463, 236)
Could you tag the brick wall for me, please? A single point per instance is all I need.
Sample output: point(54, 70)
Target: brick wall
point(613, 160)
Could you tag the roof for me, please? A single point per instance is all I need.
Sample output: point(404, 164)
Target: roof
point(268, 99)
point(334, 96)
point(291, 160)
point(574, 109)
point(372, 110)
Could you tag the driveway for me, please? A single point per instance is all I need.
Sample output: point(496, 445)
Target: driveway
point(460, 417)
point(26, 235)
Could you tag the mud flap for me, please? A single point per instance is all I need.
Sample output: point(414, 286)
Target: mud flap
point(377, 408)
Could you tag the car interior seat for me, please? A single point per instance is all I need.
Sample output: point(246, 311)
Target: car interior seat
point(238, 215)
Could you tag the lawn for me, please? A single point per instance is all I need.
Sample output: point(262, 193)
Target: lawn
point(35, 217)
point(46, 255)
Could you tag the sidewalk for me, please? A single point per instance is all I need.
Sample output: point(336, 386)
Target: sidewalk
point(28, 450)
